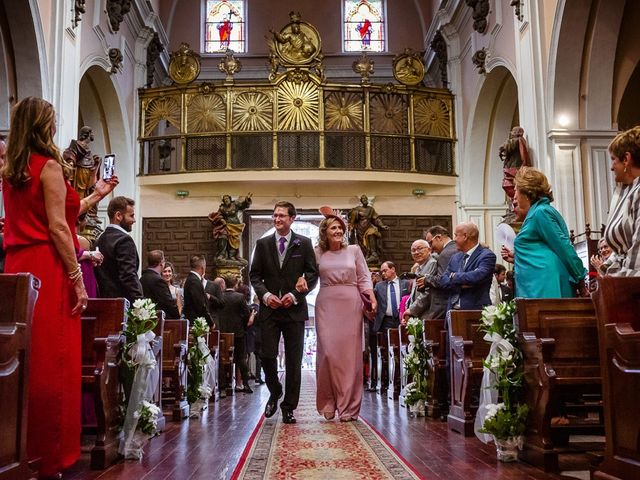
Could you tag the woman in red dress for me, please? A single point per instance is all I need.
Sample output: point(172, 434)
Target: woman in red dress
point(41, 209)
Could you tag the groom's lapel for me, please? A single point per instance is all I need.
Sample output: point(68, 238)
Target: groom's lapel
point(289, 251)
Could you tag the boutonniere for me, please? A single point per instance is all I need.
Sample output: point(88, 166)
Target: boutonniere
point(296, 242)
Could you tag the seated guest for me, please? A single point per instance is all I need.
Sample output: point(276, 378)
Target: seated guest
point(177, 293)
point(234, 318)
point(499, 275)
point(470, 271)
point(623, 230)
point(155, 288)
point(87, 259)
point(546, 264)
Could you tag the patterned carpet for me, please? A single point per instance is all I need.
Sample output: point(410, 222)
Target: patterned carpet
point(315, 448)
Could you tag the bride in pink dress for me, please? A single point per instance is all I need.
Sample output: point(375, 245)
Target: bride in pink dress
point(344, 275)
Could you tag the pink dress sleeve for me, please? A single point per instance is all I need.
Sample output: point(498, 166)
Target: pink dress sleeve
point(362, 270)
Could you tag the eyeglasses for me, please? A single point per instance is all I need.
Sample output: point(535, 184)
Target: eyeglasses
point(417, 249)
point(429, 242)
point(279, 215)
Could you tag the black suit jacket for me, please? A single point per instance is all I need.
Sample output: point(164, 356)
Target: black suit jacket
point(381, 297)
point(155, 288)
point(118, 275)
point(216, 301)
point(267, 275)
point(233, 317)
point(439, 293)
point(196, 303)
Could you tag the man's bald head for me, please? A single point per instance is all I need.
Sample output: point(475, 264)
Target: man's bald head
point(466, 236)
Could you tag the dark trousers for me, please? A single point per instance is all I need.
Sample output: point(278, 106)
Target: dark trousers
point(372, 338)
point(240, 357)
point(293, 334)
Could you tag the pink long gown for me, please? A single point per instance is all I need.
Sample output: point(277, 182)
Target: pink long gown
point(343, 275)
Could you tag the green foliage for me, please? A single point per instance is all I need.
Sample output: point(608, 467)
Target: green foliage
point(416, 362)
point(196, 360)
point(505, 423)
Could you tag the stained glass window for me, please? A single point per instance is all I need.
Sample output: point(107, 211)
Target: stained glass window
point(364, 25)
point(225, 26)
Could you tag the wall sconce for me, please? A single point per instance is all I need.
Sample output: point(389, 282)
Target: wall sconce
point(182, 194)
point(418, 192)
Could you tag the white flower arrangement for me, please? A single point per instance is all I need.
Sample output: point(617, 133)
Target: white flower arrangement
point(416, 362)
point(147, 416)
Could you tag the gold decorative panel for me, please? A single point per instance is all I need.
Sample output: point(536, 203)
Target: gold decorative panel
point(389, 113)
point(298, 106)
point(161, 108)
point(432, 117)
point(252, 112)
point(206, 113)
point(343, 111)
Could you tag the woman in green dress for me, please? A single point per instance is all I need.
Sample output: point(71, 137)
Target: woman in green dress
point(546, 264)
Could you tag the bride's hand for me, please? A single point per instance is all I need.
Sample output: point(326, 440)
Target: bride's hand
point(301, 285)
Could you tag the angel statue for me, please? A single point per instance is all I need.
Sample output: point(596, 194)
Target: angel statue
point(364, 230)
point(227, 228)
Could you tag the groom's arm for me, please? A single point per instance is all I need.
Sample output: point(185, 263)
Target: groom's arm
point(310, 270)
point(257, 270)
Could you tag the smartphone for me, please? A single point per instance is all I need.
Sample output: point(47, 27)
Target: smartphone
point(108, 166)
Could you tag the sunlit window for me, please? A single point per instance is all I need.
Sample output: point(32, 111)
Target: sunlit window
point(225, 26)
point(364, 25)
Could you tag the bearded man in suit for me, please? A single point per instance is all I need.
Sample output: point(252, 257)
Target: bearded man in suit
point(278, 262)
point(117, 276)
point(196, 301)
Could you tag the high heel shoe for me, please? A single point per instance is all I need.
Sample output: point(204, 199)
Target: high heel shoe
point(329, 416)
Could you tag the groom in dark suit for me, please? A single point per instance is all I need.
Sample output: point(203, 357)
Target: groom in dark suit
point(278, 262)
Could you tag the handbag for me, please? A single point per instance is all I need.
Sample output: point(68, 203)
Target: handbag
point(367, 306)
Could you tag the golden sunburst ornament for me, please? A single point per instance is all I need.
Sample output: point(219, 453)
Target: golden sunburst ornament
point(343, 111)
point(432, 117)
point(252, 111)
point(163, 108)
point(298, 106)
point(206, 113)
point(388, 113)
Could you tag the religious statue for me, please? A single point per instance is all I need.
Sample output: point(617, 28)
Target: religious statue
point(514, 154)
point(294, 43)
point(78, 154)
point(227, 229)
point(364, 230)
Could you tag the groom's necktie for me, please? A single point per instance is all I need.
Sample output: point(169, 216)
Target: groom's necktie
point(282, 241)
point(394, 300)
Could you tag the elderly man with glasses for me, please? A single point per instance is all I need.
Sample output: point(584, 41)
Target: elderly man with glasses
point(420, 298)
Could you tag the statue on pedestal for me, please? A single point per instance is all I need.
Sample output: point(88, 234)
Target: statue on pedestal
point(227, 230)
point(85, 176)
point(364, 230)
point(514, 154)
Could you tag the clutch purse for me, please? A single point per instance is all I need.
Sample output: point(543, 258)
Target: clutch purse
point(367, 306)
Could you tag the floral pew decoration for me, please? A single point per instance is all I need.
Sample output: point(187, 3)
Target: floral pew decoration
point(140, 377)
point(200, 369)
point(416, 362)
point(501, 416)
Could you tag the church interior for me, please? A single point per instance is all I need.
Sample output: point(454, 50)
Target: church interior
point(402, 114)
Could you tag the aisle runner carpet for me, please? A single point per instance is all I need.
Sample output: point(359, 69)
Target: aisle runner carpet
point(315, 448)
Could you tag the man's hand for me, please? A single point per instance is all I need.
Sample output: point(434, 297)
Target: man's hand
point(420, 283)
point(274, 302)
point(252, 317)
point(287, 300)
point(301, 285)
point(405, 318)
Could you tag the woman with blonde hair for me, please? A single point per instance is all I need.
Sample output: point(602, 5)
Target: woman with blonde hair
point(546, 264)
point(344, 277)
point(623, 229)
point(41, 210)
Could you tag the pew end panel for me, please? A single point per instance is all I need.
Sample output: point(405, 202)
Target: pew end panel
point(393, 350)
point(383, 362)
point(174, 368)
point(227, 363)
point(468, 350)
point(617, 303)
point(404, 351)
point(20, 292)
point(213, 341)
point(435, 340)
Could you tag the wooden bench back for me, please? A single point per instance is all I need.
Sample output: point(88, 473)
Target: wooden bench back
point(466, 324)
point(102, 318)
point(19, 292)
point(176, 331)
point(433, 328)
point(617, 300)
point(571, 322)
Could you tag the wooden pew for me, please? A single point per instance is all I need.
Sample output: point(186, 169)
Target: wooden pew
point(559, 340)
point(383, 362)
point(102, 345)
point(157, 348)
point(227, 371)
point(174, 368)
point(393, 335)
point(468, 351)
point(435, 340)
point(19, 292)
point(617, 303)
point(213, 341)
